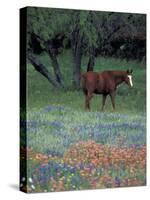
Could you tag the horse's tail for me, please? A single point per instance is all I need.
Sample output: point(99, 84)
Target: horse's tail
point(83, 80)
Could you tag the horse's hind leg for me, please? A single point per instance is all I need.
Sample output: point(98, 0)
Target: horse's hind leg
point(87, 100)
point(103, 101)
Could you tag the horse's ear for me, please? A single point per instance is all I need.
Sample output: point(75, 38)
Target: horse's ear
point(131, 71)
point(128, 71)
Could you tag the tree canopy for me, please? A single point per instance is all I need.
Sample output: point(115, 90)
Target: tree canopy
point(90, 33)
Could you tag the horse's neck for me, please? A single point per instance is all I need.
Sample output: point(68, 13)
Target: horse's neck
point(118, 80)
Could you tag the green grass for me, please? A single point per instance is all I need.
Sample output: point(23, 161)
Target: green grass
point(41, 93)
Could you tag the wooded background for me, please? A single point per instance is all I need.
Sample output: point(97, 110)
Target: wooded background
point(84, 33)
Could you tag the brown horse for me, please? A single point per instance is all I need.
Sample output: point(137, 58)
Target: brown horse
point(104, 83)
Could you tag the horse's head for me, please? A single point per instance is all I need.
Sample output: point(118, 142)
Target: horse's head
point(128, 78)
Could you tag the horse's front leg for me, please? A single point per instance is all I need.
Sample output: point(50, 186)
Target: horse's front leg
point(112, 96)
point(103, 101)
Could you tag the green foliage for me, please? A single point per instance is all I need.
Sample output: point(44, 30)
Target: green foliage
point(47, 23)
point(87, 33)
point(96, 29)
point(83, 18)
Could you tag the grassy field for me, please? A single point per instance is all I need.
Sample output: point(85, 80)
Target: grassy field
point(41, 93)
point(70, 148)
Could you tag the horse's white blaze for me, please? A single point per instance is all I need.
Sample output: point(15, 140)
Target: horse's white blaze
point(130, 80)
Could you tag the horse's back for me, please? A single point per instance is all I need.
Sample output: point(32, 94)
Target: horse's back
point(89, 80)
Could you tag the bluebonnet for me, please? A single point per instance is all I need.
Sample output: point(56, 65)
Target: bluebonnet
point(117, 181)
point(53, 107)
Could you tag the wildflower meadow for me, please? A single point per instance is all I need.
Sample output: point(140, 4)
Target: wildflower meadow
point(68, 148)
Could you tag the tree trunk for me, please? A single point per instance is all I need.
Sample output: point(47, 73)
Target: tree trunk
point(77, 68)
point(77, 55)
point(91, 61)
point(55, 65)
point(41, 69)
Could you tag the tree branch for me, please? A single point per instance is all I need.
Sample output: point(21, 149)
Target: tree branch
point(41, 69)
